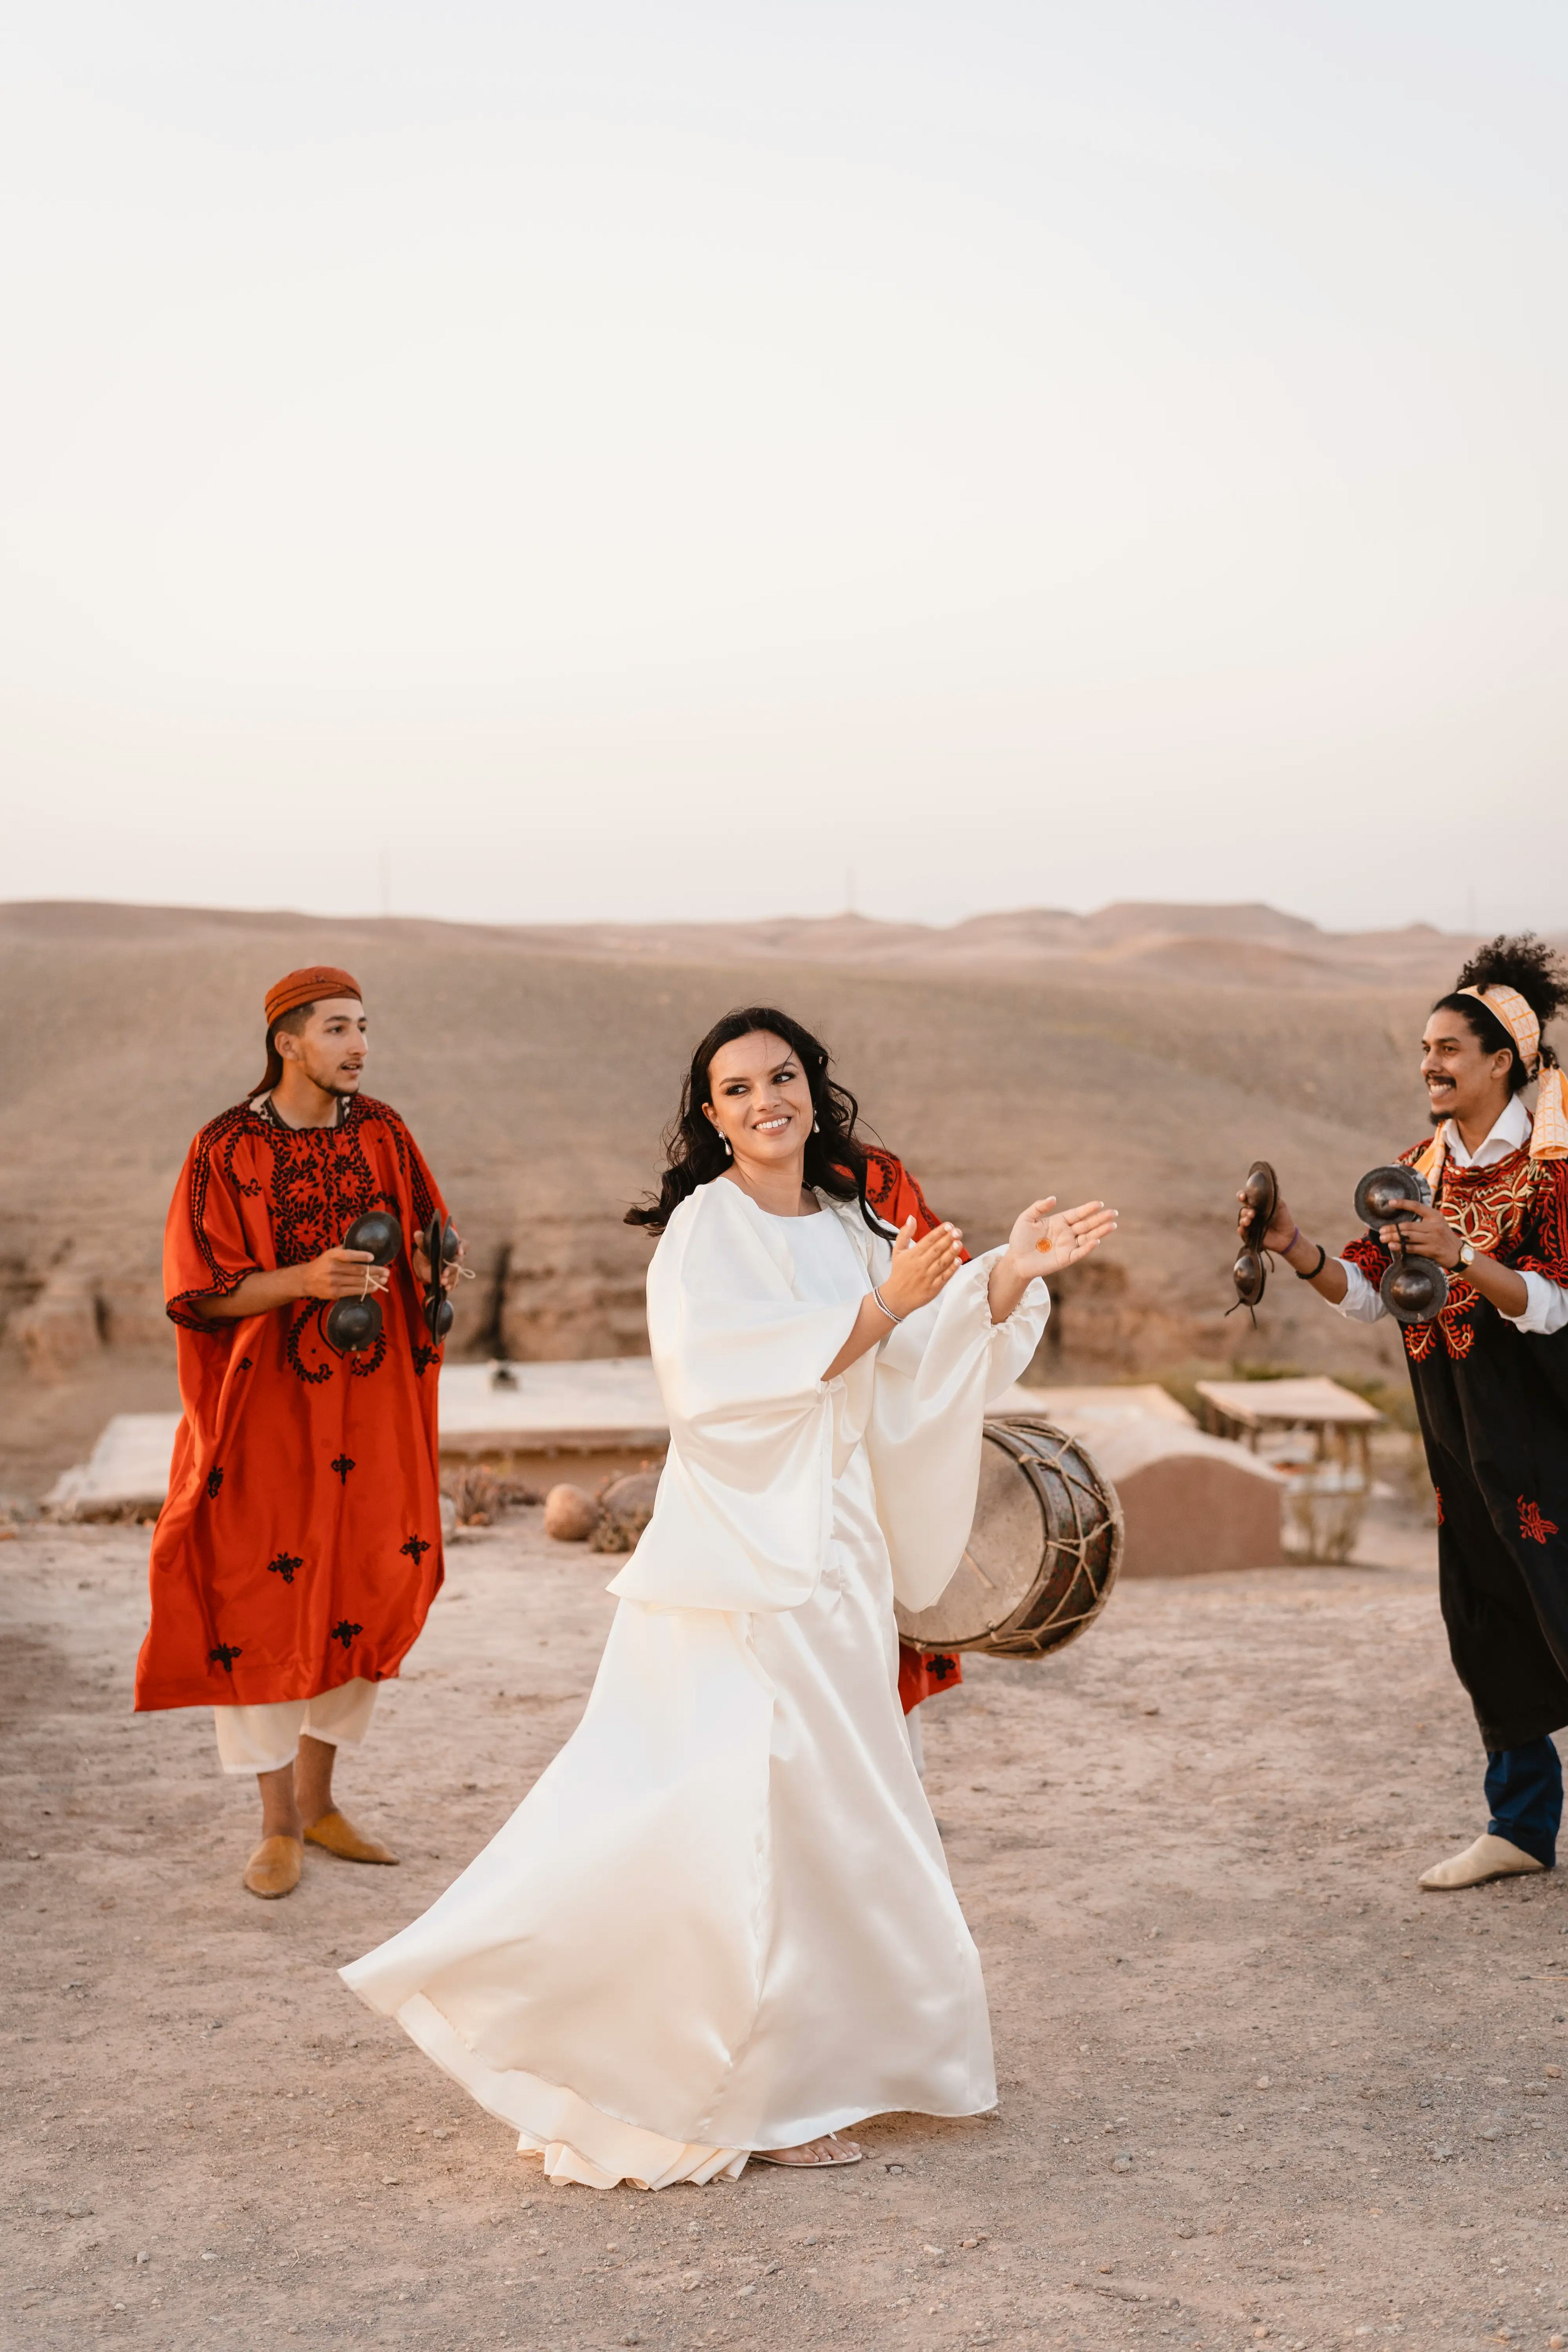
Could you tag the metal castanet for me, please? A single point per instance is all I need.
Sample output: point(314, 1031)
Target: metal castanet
point(1414, 1289)
point(1043, 1551)
point(1259, 1197)
point(441, 1247)
point(354, 1324)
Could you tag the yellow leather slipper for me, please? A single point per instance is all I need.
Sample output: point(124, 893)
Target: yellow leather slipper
point(340, 1837)
point(274, 1867)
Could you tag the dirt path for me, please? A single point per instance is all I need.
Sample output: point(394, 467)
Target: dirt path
point(1254, 2086)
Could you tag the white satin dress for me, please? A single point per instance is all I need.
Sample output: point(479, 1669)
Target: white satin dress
point(721, 1919)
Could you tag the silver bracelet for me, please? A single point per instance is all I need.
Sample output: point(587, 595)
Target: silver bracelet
point(884, 1306)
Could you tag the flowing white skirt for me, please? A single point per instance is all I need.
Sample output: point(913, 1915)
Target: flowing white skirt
point(721, 1919)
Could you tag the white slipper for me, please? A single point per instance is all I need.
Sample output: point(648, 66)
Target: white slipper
point(1489, 1857)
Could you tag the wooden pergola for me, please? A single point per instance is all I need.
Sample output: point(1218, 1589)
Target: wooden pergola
point(1320, 1435)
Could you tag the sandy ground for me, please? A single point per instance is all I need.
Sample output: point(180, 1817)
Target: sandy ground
point(1254, 2087)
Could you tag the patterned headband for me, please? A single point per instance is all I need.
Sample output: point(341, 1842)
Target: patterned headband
point(1549, 1127)
point(1517, 1016)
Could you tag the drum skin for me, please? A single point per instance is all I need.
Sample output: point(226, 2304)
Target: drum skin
point(1042, 1554)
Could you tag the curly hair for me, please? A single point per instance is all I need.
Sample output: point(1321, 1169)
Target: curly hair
point(836, 1159)
point(1525, 963)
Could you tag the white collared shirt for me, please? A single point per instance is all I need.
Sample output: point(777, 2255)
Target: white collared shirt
point(1546, 1304)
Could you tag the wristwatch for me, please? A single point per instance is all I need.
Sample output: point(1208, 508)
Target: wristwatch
point(1467, 1255)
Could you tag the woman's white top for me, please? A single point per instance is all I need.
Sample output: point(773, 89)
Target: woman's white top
point(742, 1322)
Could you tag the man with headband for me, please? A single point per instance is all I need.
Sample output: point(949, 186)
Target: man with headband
point(1490, 1377)
point(300, 1544)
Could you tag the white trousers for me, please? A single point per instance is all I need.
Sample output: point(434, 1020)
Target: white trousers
point(264, 1738)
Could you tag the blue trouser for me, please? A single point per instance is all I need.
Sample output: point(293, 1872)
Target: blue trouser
point(1524, 1789)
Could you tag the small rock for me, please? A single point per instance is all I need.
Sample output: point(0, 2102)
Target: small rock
point(1263, 2082)
point(1121, 2164)
point(569, 1513)
point(143, 2258)
point(893, 2167)
point(33, 1855)
point(1553, 2073)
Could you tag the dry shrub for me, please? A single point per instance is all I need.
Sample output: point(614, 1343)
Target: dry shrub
point(479, 1494)
point(625, 1508)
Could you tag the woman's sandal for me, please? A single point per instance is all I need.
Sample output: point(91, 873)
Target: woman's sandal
point(811, 2163)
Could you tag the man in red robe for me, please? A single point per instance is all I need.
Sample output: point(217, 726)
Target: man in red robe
point(299, 1548)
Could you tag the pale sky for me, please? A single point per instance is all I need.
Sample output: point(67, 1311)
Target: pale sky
point(695, 460)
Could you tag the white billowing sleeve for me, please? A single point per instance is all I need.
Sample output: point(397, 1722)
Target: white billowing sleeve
point(1545, 1308)
point(935, 1376)
point(1362, 1301)
point(745, 1500)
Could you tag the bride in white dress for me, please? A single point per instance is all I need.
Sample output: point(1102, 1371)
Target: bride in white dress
point(721, 1926)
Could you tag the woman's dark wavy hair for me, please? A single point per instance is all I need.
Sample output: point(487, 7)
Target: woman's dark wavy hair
point(835, 1159)
point(1526, 963)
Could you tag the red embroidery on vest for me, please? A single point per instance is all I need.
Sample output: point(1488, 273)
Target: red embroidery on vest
point(1531, 1526)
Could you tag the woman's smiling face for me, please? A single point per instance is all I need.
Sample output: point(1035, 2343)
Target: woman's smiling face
point(760, 1100)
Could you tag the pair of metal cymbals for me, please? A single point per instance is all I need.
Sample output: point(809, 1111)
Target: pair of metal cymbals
point(354, 1324)
point(1259, 1197)
point(441, 1248)
point(1414, 1289)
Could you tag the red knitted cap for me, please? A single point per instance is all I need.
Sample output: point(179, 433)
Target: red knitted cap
point(309, 986)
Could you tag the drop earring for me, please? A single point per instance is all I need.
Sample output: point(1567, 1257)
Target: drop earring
point(817, 1126)
point(728, 1154)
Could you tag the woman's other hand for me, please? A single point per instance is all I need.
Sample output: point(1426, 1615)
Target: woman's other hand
point(921, 1269)
point(1041, 1243)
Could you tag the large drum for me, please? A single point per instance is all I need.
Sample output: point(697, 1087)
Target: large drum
point(1042, 1554)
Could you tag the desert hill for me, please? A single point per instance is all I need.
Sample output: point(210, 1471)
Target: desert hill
point(1143, 1053)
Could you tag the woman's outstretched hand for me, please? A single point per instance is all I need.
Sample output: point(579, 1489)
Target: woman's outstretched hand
point(1043, 1244)
point(921, 1269)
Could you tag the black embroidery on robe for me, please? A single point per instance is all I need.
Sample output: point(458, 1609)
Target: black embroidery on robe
point(344, 1632)
point(292, 1348)
point(318, 1182)
point(214, 1480)
point(224, 1655)
point(243, 1365)
point(342, 1465)
point(424, 1357)
point(415, 1549)
point(284, 1566)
